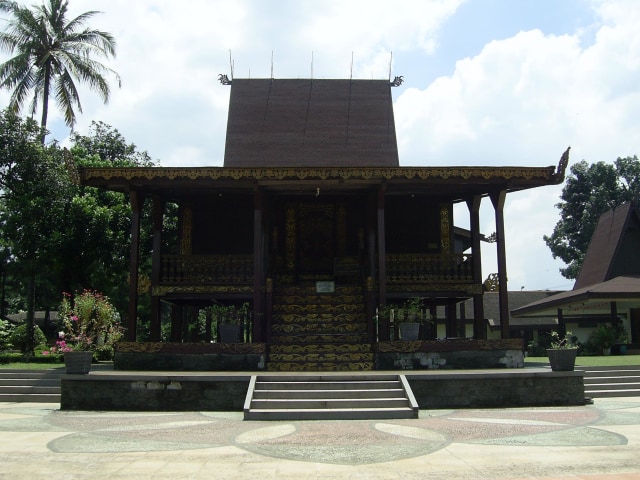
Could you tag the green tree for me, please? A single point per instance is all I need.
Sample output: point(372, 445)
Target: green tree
point(51, 54)
point(589, 191)
point(34, 185)
point(94, 251)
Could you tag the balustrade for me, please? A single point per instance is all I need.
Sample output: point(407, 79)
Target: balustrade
point(428, 269)
point(206, 270)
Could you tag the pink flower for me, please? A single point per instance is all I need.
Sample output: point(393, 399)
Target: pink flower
point(74, 318)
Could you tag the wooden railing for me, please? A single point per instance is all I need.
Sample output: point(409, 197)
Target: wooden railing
point(428, 269)
point(206, 270)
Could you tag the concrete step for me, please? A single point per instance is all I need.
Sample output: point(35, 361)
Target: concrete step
point(601, 382)
point(39, 386)
point(333, 414)
point(609, 393)
point(609, 379)
point(327, 394)
point(329, 397)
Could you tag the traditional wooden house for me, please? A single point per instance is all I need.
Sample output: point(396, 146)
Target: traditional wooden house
point(607, 290)
point(314, 223)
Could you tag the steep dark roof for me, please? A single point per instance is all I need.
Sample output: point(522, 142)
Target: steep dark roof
point(614, 248)
point(610, 271)
point(310, 123)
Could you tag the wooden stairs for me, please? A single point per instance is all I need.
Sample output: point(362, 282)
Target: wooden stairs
point(319, 331)
point(329, 397)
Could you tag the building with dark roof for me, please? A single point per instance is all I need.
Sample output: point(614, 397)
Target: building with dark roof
point(313, 223)
point(607, 290)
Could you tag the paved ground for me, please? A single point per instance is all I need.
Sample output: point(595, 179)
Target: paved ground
point(598, 441)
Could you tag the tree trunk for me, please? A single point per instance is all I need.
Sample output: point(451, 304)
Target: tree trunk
point(45, 103)
point(30, 321)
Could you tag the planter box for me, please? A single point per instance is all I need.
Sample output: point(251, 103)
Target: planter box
point(78, 362)
point(409, 331)
point(562, 359)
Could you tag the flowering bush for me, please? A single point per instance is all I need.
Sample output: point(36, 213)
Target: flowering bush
point(88, 322)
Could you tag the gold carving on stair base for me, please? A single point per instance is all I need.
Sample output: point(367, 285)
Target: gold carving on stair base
point(190, 348)
point(449, 345)
point(320, 367)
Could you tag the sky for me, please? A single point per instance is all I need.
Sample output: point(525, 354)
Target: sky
point(486, 83)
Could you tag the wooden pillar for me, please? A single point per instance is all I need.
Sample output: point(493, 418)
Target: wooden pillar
point(371, 296)
point(614, 314)
point(562, 326)
point(498, 204)
point(258, 266)
point(158, 214)
point(177, 315)
point(382, 247)
point(137, 201)
point(433, 325)
point(451, 329)
point(479, 324)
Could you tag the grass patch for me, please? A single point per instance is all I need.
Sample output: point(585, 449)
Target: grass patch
point(596, 361)
point(30, 366)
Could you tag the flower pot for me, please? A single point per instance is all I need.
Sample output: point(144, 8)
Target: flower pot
point(409, 331)
point(229, 333)
point(78, 362)
point(562, 359)
point(384, 330)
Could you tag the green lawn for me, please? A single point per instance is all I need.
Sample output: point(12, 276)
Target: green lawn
point(598, 361)
point(31, 365)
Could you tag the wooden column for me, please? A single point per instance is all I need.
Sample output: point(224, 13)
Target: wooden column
point(156, 258)
point(137, 201)
point(479, 324)
point(498, 199)
point(451, 326)
point(371, 296)
point(382, 265)
point(613, 306)
point(562, 326)
point(258, 266)
point(433, 326)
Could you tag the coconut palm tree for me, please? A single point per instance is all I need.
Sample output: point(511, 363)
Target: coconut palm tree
point(51, 54)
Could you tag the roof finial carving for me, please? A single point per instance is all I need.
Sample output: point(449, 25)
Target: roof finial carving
point(562, 166)
point(397, 81)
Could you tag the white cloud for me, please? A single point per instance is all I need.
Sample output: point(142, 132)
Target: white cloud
point(516, 101)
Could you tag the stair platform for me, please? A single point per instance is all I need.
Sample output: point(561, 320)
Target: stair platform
point(39, 386)
point(335, 397)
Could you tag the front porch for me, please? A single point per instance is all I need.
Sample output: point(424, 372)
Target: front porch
point(421, 355)
point(226, 391)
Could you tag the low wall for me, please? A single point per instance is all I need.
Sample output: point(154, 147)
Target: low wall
point(516, 388)
point(149, 392)
point(199, 391)
point(449, 354)
point(195, 357)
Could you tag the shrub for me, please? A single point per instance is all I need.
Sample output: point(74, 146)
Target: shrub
point(5, 332)
point(18, 337)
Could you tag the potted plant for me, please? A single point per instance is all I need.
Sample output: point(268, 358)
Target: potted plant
point(412, 317)
point(89, 323)
point(622, 339)
point(384, 319)
point(231, 321)
point(562, 352)
point(603, 338)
